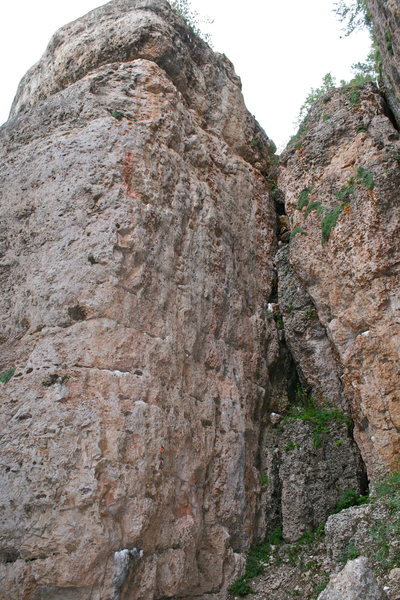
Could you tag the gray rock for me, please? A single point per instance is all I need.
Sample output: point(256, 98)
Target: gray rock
point(355, 582)
point(136, 242)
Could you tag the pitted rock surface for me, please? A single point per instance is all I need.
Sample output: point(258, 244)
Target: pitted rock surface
point(354, 582)
point(136, 259)
point(385, 16)
point(348, 163)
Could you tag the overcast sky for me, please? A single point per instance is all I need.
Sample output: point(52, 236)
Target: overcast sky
point(279, 49)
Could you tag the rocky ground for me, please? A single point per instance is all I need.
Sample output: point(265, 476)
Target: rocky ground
point(303, 569)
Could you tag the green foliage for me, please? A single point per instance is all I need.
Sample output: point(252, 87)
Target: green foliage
point(314, 206)
point(320, 585)
point(264, 480)
point(192, 17)
point(389, 488)
point(349, 498)
point(296, 139)
point(291, 446)
point(276, 537)
point(354, 97)
point(6, 375)
point(346, 190)
point(353, 14)
point(384, 531)
point(304, 198)
point(240, 588)
point(319, 418)
point(312, 536)
point(329, 221)
point(328, 84)
point(367, 70)
point(117, 114)
point(309, 537)
point(254, 566)
point(388, 40)
point(278, 320)
point(350, 553)
point(295, 231)
point(310, 313)
point(366, 178)
point(326, 117)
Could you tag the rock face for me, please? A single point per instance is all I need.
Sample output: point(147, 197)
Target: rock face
point(341, 181)
point(354, 582)
point(171, 389)
point(137, 237)
point(385, 16)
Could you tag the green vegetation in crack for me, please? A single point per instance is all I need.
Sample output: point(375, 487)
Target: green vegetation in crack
point(296, 231)
point(388, 40)
point(318, 417)
point(329, 222)
point(347, 190)
point(278, 320)
point(386, 531)
point(313, 206)
point(366, 178)
point(6, 375)
point(304, 198)
point(256, 560)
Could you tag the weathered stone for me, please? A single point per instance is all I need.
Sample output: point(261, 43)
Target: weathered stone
point(136, 262)
point(348, 164)
point(126, 30)
point(306, 338)
point(385, 15)
point(308, 473)
point(355, 582)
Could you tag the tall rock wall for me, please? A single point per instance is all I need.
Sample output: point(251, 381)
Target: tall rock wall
point(137, 236)
point(385, 16)
point(171, 387)
point(341, 180)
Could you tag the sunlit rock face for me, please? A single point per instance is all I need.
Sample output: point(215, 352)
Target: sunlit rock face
point(137, 237)
point(341, 179)
point(385, 15)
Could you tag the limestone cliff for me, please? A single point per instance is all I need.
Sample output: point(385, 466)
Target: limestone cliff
point(175, 380)
point(341, 181)
point(385, 16)
point(137, 236)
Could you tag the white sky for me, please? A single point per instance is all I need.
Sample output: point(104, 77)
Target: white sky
point(280, 48)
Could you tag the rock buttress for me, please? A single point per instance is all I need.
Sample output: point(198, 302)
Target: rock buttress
point(341, 182)
point(385, 15)
point(136, 240)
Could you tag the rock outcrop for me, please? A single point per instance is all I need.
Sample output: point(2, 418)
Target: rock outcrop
point(137, 237)
point(355, 581)
point(175, 383)
point(385, 16)
point(341, 179)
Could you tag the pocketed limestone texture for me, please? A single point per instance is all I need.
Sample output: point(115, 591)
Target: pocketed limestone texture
point(341, 180)
point(385, 16)
point(137, 238)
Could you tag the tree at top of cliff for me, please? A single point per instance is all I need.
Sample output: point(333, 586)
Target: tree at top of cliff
point(353, 14)
point(192, 17)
